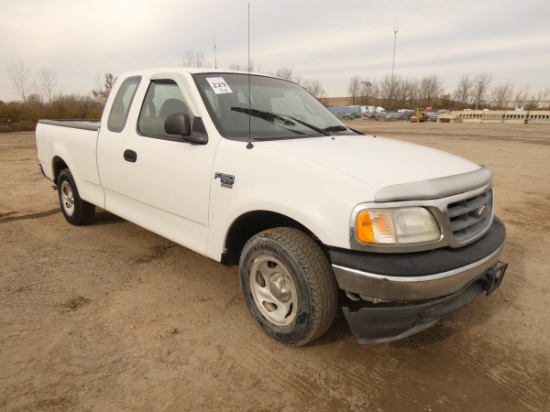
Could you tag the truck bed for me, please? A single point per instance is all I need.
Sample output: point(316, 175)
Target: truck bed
point(71, 144)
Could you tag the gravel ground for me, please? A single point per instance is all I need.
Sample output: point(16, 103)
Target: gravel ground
point(110, 317)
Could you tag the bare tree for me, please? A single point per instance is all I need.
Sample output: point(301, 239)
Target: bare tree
point(463, 90)
point(446, 100)
point(372, 90)
point(104, 90)
point(410, 90)
point(48, 83)
point(284, 73)
point(256, 68)
point(480, 87)
point(354, 89)
point(406, 91)
point(388, 89)
point(237, 66)
point(366, 92)
point(193, 58)
point(521, 97)
point(20, 77)
point(501, 95)
point(535, 99)
point(430, 87)
point(314, 88)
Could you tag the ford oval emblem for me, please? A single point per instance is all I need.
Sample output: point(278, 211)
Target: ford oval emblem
point(482, 212)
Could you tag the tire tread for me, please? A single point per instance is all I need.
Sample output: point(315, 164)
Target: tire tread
point(84, 212)
point(318, 272)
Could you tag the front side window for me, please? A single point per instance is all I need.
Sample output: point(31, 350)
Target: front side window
point(121, 105)
point(163, 98)
point(274, 108)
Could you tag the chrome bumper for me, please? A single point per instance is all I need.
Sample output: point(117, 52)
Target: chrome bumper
point(393, 296)
point(418, 276)
point(375, 286)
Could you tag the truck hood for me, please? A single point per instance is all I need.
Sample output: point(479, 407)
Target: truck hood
point(377, 162)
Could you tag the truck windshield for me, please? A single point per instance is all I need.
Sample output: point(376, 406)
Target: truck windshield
point(276, 109)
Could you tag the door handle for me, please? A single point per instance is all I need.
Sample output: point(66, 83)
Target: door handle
point(130, 156)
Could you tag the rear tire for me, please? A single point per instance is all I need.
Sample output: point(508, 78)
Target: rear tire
point(288, 285)
point(77, 211)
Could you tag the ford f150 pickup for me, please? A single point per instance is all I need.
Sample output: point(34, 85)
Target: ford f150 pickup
point(251, 170)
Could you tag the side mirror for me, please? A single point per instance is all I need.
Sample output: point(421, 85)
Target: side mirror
point(180, 124)
point(177, 123)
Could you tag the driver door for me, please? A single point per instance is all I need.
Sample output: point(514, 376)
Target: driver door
point(155, 179)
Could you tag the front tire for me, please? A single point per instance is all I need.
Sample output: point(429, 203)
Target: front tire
point(77, 211)
point(288, 285)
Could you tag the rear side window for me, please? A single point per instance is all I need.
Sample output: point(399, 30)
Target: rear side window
point(122, 103)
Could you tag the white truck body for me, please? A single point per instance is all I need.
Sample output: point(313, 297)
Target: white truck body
point(213, 189)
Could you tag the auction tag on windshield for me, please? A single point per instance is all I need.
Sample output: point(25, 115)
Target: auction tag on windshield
point(219, 85)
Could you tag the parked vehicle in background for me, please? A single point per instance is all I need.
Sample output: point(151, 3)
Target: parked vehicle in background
point(356, 111)
point(420, 116)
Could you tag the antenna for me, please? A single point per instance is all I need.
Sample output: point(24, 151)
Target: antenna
point(395, 30)
point(249, 145)
point(215, 57)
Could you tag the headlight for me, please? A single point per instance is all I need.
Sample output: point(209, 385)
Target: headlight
point(397, 226)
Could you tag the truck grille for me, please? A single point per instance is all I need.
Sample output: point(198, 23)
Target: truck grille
point(471, 217)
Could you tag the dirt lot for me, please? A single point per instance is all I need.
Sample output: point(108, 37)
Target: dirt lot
point(110, 317)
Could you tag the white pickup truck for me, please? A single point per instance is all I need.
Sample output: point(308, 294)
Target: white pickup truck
point(250, 169)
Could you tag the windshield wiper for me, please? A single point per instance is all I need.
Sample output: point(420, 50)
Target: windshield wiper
point(270, 117)
point(339, 128)
point(314, 128)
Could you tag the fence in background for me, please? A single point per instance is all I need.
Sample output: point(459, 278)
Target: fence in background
point(497, 116)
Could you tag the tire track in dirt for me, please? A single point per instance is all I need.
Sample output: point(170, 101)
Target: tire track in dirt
point(29, 196)
point(515, 377)
point(177, 334)
point(339, 383)
point(9, 217)
point(266, 359)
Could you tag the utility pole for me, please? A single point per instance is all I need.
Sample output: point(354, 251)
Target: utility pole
point(395, 30)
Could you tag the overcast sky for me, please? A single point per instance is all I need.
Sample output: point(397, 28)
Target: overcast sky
point(330, 41)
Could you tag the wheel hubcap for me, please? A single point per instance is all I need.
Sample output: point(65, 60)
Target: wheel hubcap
point(273, 290)
point(278, 288)
point(67, 198)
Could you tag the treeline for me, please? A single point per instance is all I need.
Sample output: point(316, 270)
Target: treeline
point(40, 99)
point(472, 92)
point(23, 116)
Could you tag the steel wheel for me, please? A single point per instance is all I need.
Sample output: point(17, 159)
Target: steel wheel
point(288, 285)
point(273, 290)
point(76, 210)
point(67, 198)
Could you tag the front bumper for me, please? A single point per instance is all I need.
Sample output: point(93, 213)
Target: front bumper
point(421, 275)
point(416, 289)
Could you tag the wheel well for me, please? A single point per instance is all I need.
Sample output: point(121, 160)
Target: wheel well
point(58, 165)
point(248, 225)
